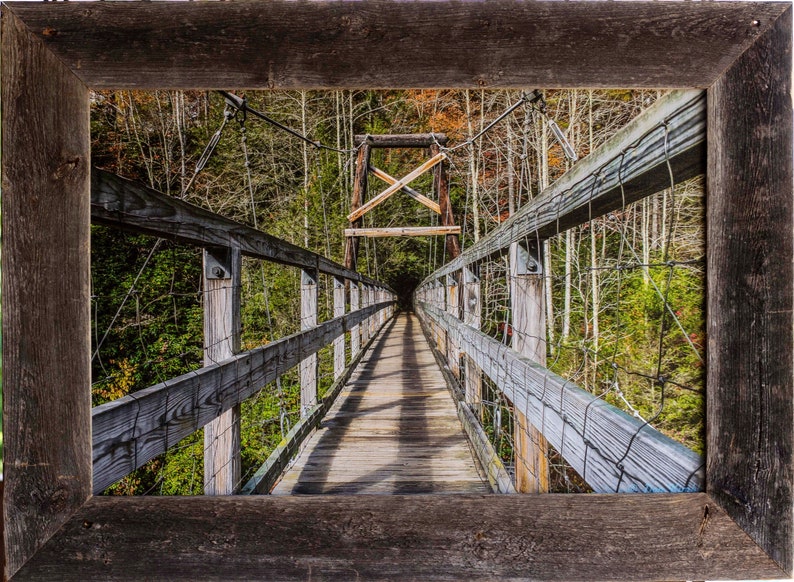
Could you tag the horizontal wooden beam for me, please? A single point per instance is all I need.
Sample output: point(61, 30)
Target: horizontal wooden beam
point(278, 461)
point(611, 450)
point(405, 140)
point(122, 203)
point(499, 43)
point(134, 429)
point(403, 231)
point(397, 537)
point(421, 198)
point(397, 186)
point(666, 143)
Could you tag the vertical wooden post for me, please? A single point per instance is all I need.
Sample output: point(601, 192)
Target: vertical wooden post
point(750, 381)
point(308, 365)
point(357, 199)
point(452, 243)
point(529, 338)
point(339, 343)
point(472, 315)
point(46, 293)
point(365, 323)
point(355, 331)
point(453, 350)
point(222, 268)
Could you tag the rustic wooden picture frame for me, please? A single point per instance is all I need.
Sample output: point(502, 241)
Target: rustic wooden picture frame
point(52, 54)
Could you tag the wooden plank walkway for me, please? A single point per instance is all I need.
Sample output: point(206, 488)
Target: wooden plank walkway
point(393, 430)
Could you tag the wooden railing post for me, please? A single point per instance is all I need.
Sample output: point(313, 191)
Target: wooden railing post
point(339, 343)
point(472, 316)
point(308, 366)
point(529, 339)
point(453, 350)
point(222, 268)
point(355, 332)
point(365, 323)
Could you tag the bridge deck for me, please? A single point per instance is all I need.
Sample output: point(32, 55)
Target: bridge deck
point(394, 428)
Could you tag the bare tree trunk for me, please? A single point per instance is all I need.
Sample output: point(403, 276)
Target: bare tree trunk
point(305, 174)
point(473, 173)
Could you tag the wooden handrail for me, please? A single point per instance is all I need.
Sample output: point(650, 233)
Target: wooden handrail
point(667, 139)
point(130, 431)
point(129, 205)
point(612, 451)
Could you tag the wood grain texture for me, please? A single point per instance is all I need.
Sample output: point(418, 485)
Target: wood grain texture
point(441, 181)
point(417, 537)
point(122, 203)
point(279, 460)
point(379, 44)
point(528, 315)
point(405, 140)
point(750, 407)
point(611, 451)
point(46, 293)
point(393, 430)
point(134, 429)
point(339, 343)
point(403, 231)
point(221, 342)
point(672, 131)
point(310, 294)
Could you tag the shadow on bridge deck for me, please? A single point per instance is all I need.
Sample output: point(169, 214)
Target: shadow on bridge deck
point(394, 429)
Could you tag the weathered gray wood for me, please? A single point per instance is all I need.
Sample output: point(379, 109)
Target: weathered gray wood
point(437, 158)
point(393, 430)
point(528, 309)
point(472, 315)
point(635, 156)
point(221, 342)
point(612, 451)
point(500, 43)
point(360, 181)
point(750, 382)
point(46, 275)
point(405, 140)
point(403, 231)
point(271, 470)
point(441, 181)
point(122, 203)
point(134, 429)
point(355, 331)
point(308, 366)
point(421, 537)
point(339, 343)
point(421, 198)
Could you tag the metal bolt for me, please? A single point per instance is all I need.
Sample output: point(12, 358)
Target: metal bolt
point(218, 272)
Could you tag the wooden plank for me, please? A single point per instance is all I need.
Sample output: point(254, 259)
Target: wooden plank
point(46, 293)
point(405, 180)
point(500, 43)
point(122, 203)
point(308, 366)
point(339, 343)
point(421, 198)
point(136, 428)
point(357, 199)
point(672, 131)
point(222, 281)
point(405, 140)
point(424, 537)
point(472, 316)
point(528, 310)
point(394, 429)
point(612, 451)
point(441, 180)
point(355, 331)
point(750, 382)
point(403, 231)
point(269, 473)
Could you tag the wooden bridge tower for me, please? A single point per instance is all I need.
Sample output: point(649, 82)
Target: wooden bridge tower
point(358, 208)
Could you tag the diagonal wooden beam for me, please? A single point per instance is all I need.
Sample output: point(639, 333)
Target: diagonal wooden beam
point(432, 162)
point(403, 231)
point(422, 199)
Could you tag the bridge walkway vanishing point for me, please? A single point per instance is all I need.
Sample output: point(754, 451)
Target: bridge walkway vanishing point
point(393, 429)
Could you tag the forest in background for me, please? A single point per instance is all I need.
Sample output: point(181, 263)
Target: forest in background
point(146, 295)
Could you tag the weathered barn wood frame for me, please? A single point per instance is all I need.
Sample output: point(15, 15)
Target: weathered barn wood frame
point(53, 53)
